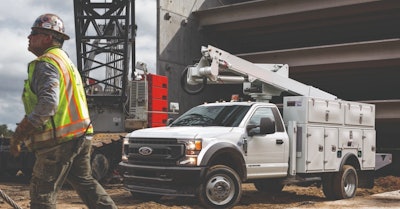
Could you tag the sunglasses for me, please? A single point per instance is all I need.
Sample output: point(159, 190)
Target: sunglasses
point(34, 33)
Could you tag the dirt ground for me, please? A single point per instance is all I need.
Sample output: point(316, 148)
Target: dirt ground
point(291, 197)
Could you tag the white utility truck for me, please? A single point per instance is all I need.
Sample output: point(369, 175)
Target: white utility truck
point(210, 150)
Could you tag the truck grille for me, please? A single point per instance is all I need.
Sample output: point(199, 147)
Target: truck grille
point(161, 152)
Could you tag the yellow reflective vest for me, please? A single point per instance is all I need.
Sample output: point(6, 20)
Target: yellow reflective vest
point(71, 119)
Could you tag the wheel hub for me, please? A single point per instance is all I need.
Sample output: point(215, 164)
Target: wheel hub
point(219, 189)
point(350, 185)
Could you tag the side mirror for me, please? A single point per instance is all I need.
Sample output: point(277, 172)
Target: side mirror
point(169, 121)
point(251, 130)
point(267, 126)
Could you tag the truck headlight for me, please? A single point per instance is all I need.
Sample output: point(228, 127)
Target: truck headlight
point(193, 148)
point(125, 149)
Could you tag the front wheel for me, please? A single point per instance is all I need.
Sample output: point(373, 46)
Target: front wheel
point(345, 183)
point(221, 188)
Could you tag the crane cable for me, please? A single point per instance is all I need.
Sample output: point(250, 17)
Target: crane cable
point(9, 200)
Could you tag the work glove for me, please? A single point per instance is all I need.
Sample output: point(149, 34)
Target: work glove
point(22, 132)
point(15, 147)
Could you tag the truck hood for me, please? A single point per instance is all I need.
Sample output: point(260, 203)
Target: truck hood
point(181, 132)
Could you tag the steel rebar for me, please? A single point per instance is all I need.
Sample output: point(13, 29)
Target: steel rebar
point(9, 200)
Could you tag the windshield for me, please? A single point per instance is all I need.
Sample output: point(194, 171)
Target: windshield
point(228, 116)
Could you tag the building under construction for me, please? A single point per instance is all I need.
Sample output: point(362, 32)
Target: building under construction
point(349, 48)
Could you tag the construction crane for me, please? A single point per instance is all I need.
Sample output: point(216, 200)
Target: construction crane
point(120, 98)
point(105, 43)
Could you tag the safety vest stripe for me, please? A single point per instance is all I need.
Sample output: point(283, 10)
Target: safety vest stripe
point(64, 137)
point(75, 129)
point(73, 107)
point(67, 81)
point(84, 121)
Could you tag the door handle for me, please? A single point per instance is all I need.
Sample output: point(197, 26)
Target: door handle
point(279, 141)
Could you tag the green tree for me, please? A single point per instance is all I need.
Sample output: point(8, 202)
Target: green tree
point(5, 132)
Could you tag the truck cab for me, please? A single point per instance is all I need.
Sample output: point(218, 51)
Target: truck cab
point(247, 138)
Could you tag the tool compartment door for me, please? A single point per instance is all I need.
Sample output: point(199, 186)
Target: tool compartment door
point(325, 111)
point(368, 149)
point(350, 138)
point(330, 149)
point(304, 109)
point(315, 148)
point(357, 114)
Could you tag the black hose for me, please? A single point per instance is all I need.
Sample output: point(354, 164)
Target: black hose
point(184, 83)
point(9, 200)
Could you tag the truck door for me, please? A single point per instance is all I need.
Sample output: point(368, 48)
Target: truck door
point(267, 155)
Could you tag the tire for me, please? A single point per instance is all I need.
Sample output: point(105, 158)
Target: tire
point(100, 166)
point(345, 183)
point(327, 186)
point(269, 186)
point(221, 188)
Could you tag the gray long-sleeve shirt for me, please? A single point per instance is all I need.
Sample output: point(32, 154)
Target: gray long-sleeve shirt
point(45, 84)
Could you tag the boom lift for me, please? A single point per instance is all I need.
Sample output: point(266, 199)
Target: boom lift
point(211, 149)
point(260, 81)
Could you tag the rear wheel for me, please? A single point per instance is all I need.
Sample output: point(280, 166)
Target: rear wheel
point(327, 186)
point(221, 188)
point(345, 183)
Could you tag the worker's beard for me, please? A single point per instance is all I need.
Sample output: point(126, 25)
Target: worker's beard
point(36, 50)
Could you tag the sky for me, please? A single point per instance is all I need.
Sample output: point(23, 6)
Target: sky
point(16, 19)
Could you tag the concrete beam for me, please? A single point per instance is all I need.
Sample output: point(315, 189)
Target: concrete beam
point(276, 8)
point(355, 55)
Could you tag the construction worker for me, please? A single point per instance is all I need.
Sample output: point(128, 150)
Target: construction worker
point(57, 123)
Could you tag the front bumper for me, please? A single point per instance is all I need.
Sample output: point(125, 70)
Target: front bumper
point(160, 180)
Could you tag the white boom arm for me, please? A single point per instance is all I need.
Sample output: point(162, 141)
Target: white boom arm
point(220, 67)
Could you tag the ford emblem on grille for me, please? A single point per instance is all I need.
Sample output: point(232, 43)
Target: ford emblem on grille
point(145, 150)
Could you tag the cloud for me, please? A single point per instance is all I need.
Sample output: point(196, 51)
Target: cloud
point(146, 15)
point(147, 52)
point(12, 110)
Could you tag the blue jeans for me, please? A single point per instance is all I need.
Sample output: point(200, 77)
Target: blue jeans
point(69, 162)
